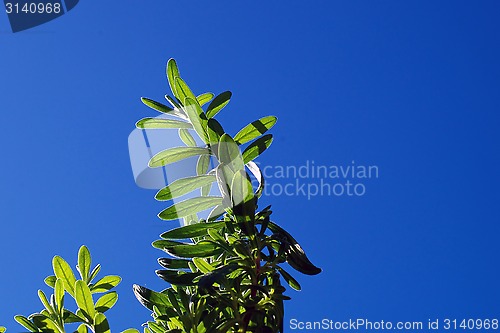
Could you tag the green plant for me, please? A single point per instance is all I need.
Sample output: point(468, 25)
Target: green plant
point(55, 316)
point(226, 274)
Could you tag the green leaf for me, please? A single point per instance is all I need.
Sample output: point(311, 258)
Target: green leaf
point(131, 330)
point(163, 108)
point(23, 321)
point(50, 281)
point(172, 73)
point(201, 169)
point(214, 276)
point(105, 284)
point(229, 153)
point(187, 138)
point(215, 131)
point(160, 123)
point(191, 231)
point(59, 294)
point(106, 302)
point(204, 98)
point(2, 329)
point(200, 249)
point(289, 279)
point(45, 323)
point(101, 324)
point(175, 154)
point(255, 129)
point(84, 262)
point(63, 271)
point(148, 297)
point(183, 186)
point(170, 263)
point(184, 92)
point(257, 147)
point(242, 194)
point(82, 328)
point(218, 104)
point(177, 278)
point(203, 265)
point(84, 300)
point(197, 117)
point(189, 206)
point(70, 317)
point(215, 213)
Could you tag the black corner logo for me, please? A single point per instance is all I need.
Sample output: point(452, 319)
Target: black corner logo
point(28, 14)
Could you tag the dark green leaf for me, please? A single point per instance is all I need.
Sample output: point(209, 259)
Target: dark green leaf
point(148, 298)
point(175, 154)
point(217, 275)
point(160, 123)
point(218, 104)
point(200, 249)
point(191, 231)
point(183, 186)
point(289, 279)
point(189, 206)
point(296, 257)
point(177, 277)
point(170, 263)
point(44, 323)
point(254, 129)
point(215, 131)
point(257, 147)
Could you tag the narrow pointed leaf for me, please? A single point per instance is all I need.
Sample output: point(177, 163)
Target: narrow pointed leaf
point(63, 271)
point(172, 73)
point(105, 284)
point(106, 302)
point(197, 117)
point(183, 186)
point(82, 328)
point(178, 278)
point(148, 297)
point(160, 123)
point(191, 231)
point(229, 153)
point(289, 279)
point(257, 147)
point(203, 265)
point(94, 272)
point(204, 98)
point(218, 104)
point(254, 129)
point(84, 300)
point(242, 191)
point(184, 91)
point(170, 263)
point(215, 131)
point(200, 249)
point(187, 138)
point(84, 262)
point(23, 321)
point(59, 294)
point(175, 154)
point(189, 206)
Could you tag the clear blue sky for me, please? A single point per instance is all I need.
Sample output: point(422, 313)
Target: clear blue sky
point(411, 87)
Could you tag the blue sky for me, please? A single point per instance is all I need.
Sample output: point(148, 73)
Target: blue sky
point(411, 87)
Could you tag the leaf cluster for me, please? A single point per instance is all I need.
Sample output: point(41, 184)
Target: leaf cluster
point(225, 271)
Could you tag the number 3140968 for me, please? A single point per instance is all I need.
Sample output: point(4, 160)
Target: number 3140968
point(33, 8)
